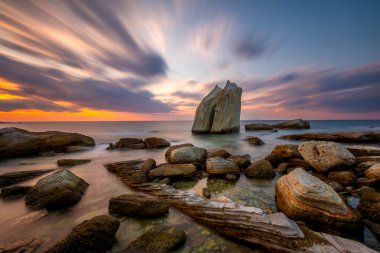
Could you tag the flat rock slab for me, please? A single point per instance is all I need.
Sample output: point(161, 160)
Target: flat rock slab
point(118, 166)
point(14, 192)
point(58, 190)
point(293, 124)
point(94, 235)
point(138, 205)
point(258, 127)
point(346, 137)
point(130, 143)
point(20, 176)
point(174, 170)
point(72, 162)
point(29, 244)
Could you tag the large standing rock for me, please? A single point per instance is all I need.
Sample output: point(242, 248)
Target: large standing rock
point(15, 142)
point(221, 166)
point(373, 172)
point(302, 196)
point(94, 235)
point(174, 170)
point(293, 124)
point(260, 169)
point(131, 143)
point(138, 205)
point(324, 156)
point(159, 239)
point(10, 178)
point(58, 190)
point(155, 142)
point(187, 155)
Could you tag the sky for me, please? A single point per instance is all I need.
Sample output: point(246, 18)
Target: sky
point(95, 60)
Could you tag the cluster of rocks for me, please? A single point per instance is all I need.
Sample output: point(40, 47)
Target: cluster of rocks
point(136, 143)
point(290, 124)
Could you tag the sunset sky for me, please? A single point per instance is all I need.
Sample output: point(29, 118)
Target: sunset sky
point(155, 60)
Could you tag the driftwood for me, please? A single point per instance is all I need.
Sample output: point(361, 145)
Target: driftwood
point(250, 225)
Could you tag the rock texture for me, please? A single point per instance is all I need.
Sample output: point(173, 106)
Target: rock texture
point(255, 141)
point(242, 161)
point(155, 142)
point(148, 165)
point(26, 245)
point(258, 127)
point(58, 190)
point(218, 153)
point(15, 142)
point(221, 166)
point(10, 178)
point(95, 235)
point(344, 178)
point(293, 124)
point(138, 205)
point(159, 239)
point(369, 206)
point(187, 155)
point(14, 192)
point(347, 137)
point(72, 162)
point(130, 143)
point(325, 156)
point(219, 111)
point(373, 172)
point(174, 170)
point(302, 196)
point(260, 169)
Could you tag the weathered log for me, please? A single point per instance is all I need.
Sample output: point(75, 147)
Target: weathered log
point(346, 137)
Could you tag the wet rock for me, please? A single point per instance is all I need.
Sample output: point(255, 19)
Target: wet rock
point(72, 162)
point(218, 153)
point(166, 181)
point(374, 227)
point(187, 155)
point(116, 167)
point(275, 160)
point(296, 162)
point(206, 193)
point(287, 151)
point(148, 165)
point(255, 141)
point(363, 181)
point(159, 239)
point(258, 127)
point(231, 177)
point(293, 124)
point(335, 185)
point(174, 170)
point(361, 159)
point(242, 161)
point(260, 169)
point(369, 206)
point(138, 177)
point(131, 143)
point(154, 142)
point(14, 192)
point(282, 167)
point(137, 205)
point(224, 199)
point(363, 166)
point(94, 235)
point(10, 178)
point(15, 142)
point(363, 150)
point(346, 137)
point(373, 172)
point(221, 166)
point(344, 178)
point(326, 156)
point(184, 183)
point(302, 196)
point(364, 189)
point(29, 244)
point(172, 148)
point(59, 190)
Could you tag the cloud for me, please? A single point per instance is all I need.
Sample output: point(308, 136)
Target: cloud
point(190, 95)
point(37, 104)
point(248, 47)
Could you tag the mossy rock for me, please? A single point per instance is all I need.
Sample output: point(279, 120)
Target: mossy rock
point(219, 184)
point(184, 184)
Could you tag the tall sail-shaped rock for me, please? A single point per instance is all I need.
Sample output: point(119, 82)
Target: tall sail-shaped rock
point(204, 115)
point(219, 111)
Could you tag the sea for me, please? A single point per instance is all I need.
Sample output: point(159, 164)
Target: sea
point(18, 222)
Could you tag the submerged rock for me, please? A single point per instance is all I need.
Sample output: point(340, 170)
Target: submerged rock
point(221, 166)
point(59, 190)
point(258, 127)
point(325, 156)
point(242, 161)
point(94, 235)
point(187, 155)
point(138, 205)
point(174, 170)
point(260, 169)
point(159, 239)
point(72, 162)
point(347, 137)
point(373, 172)
point(15, 142)
point(219, 153)
point(155, 142)
point(293, 124)
point(10, 178)
point(255, 141)
point(344, 178)
point(26, 245)
point(131, 143)
point(14, 192)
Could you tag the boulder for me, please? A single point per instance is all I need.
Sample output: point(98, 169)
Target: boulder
point(363, 150)
point(26, 245)
point(302, 196)
point(158, 239)
point(187, 155)
point(94, 235)
point(154, 142)
point(174, 170)
point(258, 127)
point(286, 151)
point(116, 167)
point(369, 206)
point(242, 161)
point(362, 190)
point(347, 137)
point(137, 205)
point(221, 166)
point(72, 162)
point(172, 148)
point(14, 192)
point(293, 124)
point(59, 190)
point(326, 156)
point(363, 166)
point(138, 177)
point(260, 169)
point(345, 178)
point(10, 178)
point(130, 143)
point(296, 162)
point(255, 141)
point(373, 172)
point(363, 181)
point(218, 153)
point(15, 142)
point(148, 165)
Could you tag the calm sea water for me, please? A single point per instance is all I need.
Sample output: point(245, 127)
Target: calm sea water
point(103, 185)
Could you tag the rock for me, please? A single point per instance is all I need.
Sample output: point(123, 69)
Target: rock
point(258, 127)
point(158, 239)
point(58, 190)
point(346, 137)
point(14, 192)
point(72, 162)
point(363, 150)
point(10, 178)
point(231, 177)
point(275, 160)
point(221, 166)
point(224, 199)
point(26, 245)
point(287, 151)
point(131, 143)
point(174, 170)
point(241, 161)
point(260, 169)
point(206, 193)
point(293, 124)
point(361, 159)
point(187, 155)
point(326, 156)
point(363, 181)
point(218, 153)
point(335, 185)
point(138, 205)
point(363, 166)
point(47, 153)
point(116, 167)
point(255, 141)
point(374, 227)
point(302, 196)
point(166, 180)
point(369, 206)
point(364, 189)
point(154, 142)
point(345, 178)
point(111, 146)
point(15, 142)
point(148, 165)
point(282, 167)
point(373, 172)
point(172, 148)
point(94, 235)
point(138, 177)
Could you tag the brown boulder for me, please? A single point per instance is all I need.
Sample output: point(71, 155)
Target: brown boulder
point(293, 124)
point(255, 141)
point(373, 172)
point(154, 142)
point(260, 169)
point(344, 178)
point(242, 161)
point(218, 153)
point(221, 166)
point(130, 143)
point(72, 162)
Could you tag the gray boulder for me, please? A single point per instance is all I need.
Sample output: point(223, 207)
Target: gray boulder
point(187, 155)
point(221, 166)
